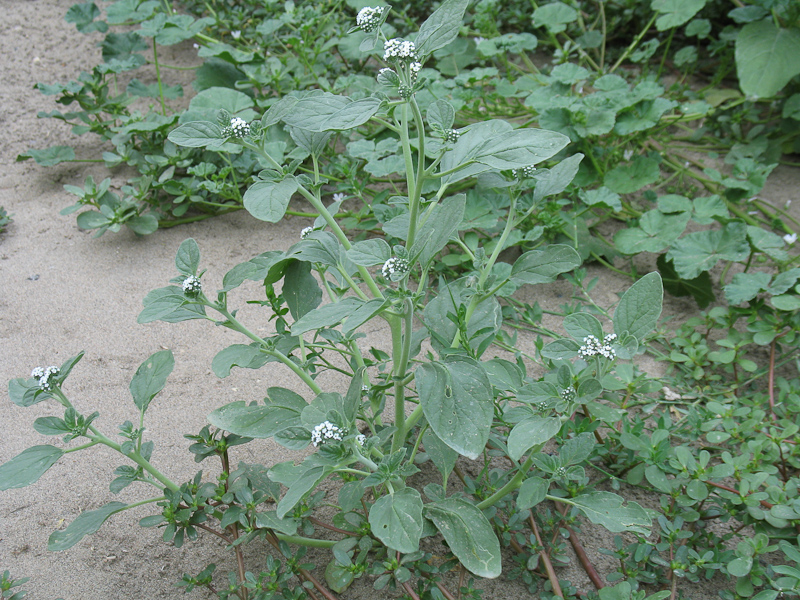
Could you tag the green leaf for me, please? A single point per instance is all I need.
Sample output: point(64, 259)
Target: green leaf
point(168, 304)
point(28, 466)
point(434, 234)
point(246, 356)
point(701, 250)
point(740, 567)
point(456, 399)
point(581, 325)
point(786, 302)
point(187, 259)
point(699, 288)
point(626, 179)
point(603, 196)
point(49, 156)
point(767, 58)
point(606, 509)
point(364, 313)
point(561, 349)
point(396, 520)
point(270, 520)
point(327, 315)
point(532, 491)
point(300, 289)
point(211, 100)
point(544, 266)
point(441, 114)
point(143, 224)
point(746, 286)
point(640, 307)
point(300, 487)
point(86, 524)
point(767, 242)
point(368, 253)
point(259, 421)
point(268, 200)
point(469, 535)
point(440, 453)
point(482, 326)
point(83, 16)
point(338, 577)
point(150, 378)
point(197, 134)
point(555, 16)
point(675, 13)
point(441, 27)
point(26, 392)
point(531, 432)
point(329, 112)
point(556, 180)
point(656, 232)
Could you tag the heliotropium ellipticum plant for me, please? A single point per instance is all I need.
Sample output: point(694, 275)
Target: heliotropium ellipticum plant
point(437, 397)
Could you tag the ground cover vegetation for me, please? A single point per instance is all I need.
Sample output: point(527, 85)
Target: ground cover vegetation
point(448, 159)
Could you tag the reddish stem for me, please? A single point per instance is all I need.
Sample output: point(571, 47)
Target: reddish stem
point(594, 576)
point(551, 572)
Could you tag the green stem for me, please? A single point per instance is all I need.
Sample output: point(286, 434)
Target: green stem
point(401, 342)
point(513, 484)
point(158, 78)
point(304, 541)
point(236, 325)
point(634, 43)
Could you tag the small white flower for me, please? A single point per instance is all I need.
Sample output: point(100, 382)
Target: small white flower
point(395, 266)
point(478, 40)
point(627, 155)
point(192, 286)
point(568, 394)
point(305, 232)
point(790, 238)
point(236, 34)
point(369, 18)
point(338, 197)
point(326, 431)
point(361, 439)
point(238, 128)
point(196, 46)
point(594, 347)
point(787, 204)
point(43, 376)
point(524, 172)
point(398, 49)
point(451, 137)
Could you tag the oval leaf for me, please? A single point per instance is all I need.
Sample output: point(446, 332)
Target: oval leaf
point(469, 535)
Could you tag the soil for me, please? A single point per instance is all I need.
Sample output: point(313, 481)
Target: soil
point(63, 291)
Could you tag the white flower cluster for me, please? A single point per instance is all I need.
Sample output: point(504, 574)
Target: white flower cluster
point(395, 266)
point(326, 431)
point(561, 472)
point(304, 233)
point(524, 172)
point(568, 394)
point(451, 137)
point(397, 49)
point(43, 376)
point(593, 347)
point(361, 439)
point(369, 18)
point(238, 128)
point(192, 286)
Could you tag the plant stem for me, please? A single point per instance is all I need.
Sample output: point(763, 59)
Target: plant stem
point(158, 78)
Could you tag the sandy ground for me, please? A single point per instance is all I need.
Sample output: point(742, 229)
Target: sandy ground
point(61, 292)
